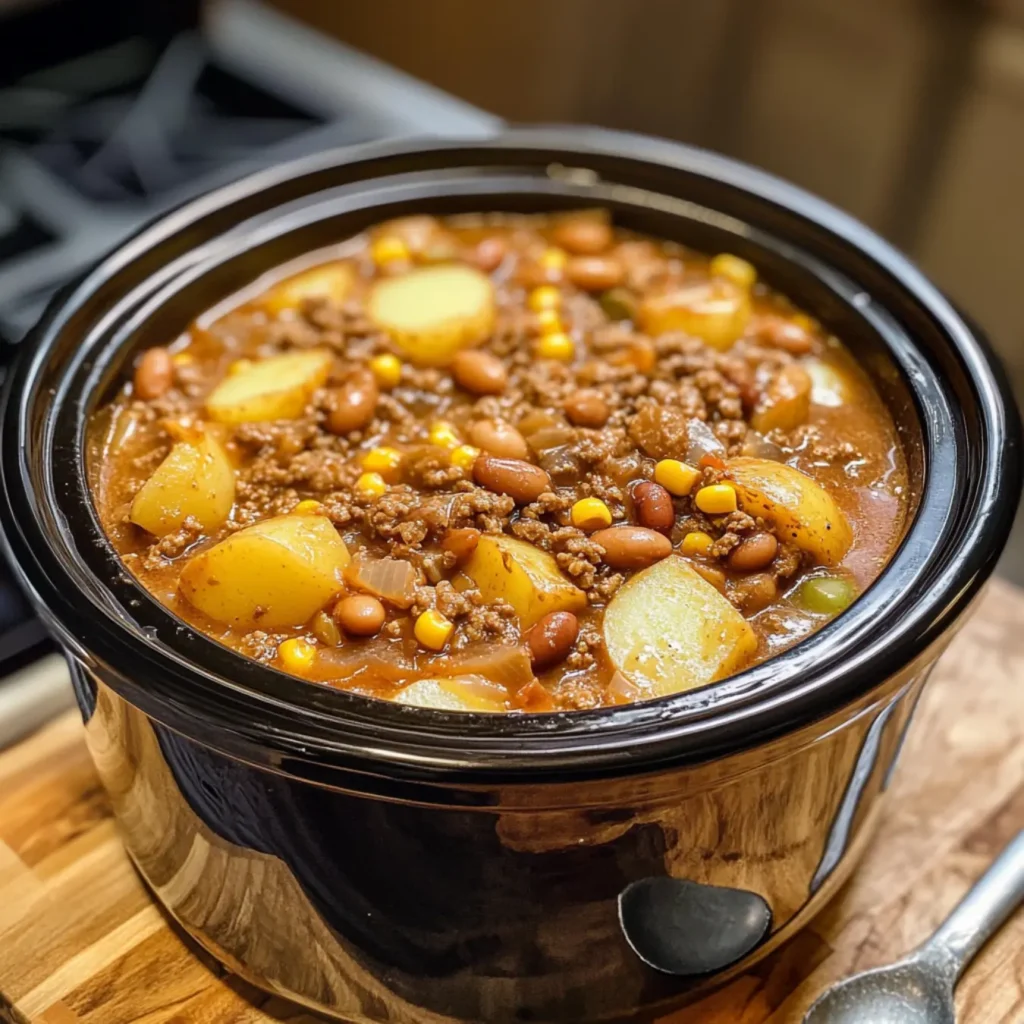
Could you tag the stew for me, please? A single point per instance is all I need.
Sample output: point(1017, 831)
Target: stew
point(499, 463)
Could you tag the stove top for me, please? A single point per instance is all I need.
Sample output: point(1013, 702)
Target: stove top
point(99, 137)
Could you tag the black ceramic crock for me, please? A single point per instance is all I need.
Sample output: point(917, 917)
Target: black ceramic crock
point(385, 863)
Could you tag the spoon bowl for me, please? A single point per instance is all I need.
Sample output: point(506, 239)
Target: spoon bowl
point(919, 989)
point(912, 991)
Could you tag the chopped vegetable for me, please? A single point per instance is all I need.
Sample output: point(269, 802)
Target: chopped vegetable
point(433, 312)
point(785, 402)
point(194, 481)
point(466, 694)
point(277, 572)
point(737, 270)
point(825, 595)
point(391, 579)
point(801, 511)
point(667, 630)
point(275, 388)
point(332, 281)
point(508, 666)
point(716, 311)
point(830, 386)
point(505, 568)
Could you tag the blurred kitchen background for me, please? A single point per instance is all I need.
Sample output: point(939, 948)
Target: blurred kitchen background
point(908, 113)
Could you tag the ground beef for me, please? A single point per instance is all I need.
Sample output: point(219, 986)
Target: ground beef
point(173, 544)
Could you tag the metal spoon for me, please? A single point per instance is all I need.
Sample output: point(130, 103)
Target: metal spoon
point(919, 989)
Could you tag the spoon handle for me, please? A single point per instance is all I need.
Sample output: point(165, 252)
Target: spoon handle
point(985, 907)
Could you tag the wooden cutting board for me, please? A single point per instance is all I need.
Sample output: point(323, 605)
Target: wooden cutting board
point(81, 940)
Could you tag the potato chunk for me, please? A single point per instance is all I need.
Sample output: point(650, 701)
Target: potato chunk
point(830, 385)
point(332, 281)
point(276, 388)
point(715, 311)
point(469, 693)
point(433, 312)
point(529, 579)
point(195, 480)
point(278, 572)
point(669, 630)
point(801, 511)
point(785, 402)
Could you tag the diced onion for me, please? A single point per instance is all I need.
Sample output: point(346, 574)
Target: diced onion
point(391, 579)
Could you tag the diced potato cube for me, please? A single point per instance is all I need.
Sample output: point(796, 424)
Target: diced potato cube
point(715, 311)
point(195, 480)
point(469, 693)
point(433, 312)
point(332, 281)
point(799, 509)
point(785, 402)
point(529, 579)
point(829, 385)
point(668, 630)
point(276, 388)
point(278, 572)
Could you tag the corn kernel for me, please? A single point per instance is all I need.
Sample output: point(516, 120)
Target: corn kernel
point(547, 296)
point(371, 485)
point(553, 259)
point(308, 507)
point(676, 477)
point(716, 499)
point(297, 655)
point(382, 460)
point(464, 456)
point(239, 366)
point(804, 322)
point(183, 358)
point(432, 629)
point(388, 249)
point(697, 544)
point(550, 321)
point(736, 270)
point(443, 435)
point(387, 369)
point(590, 514)
point(556, 346)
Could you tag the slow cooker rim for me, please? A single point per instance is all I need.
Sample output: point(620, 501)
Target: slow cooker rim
point(614, 144)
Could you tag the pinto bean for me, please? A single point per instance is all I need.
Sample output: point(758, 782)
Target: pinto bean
point(153, 374)
point(552, 638)
point(498, 438)
point(632, 547)
point(584, 235)
point(520, 480)
point(594, 273)
point(461, 542)
point(587, 408)
point(653, 506)
point(353, 404)
point(360, 615)
point(479, 373)
point(754, 552)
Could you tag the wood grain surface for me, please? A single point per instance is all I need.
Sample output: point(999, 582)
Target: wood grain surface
point(82, 941)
